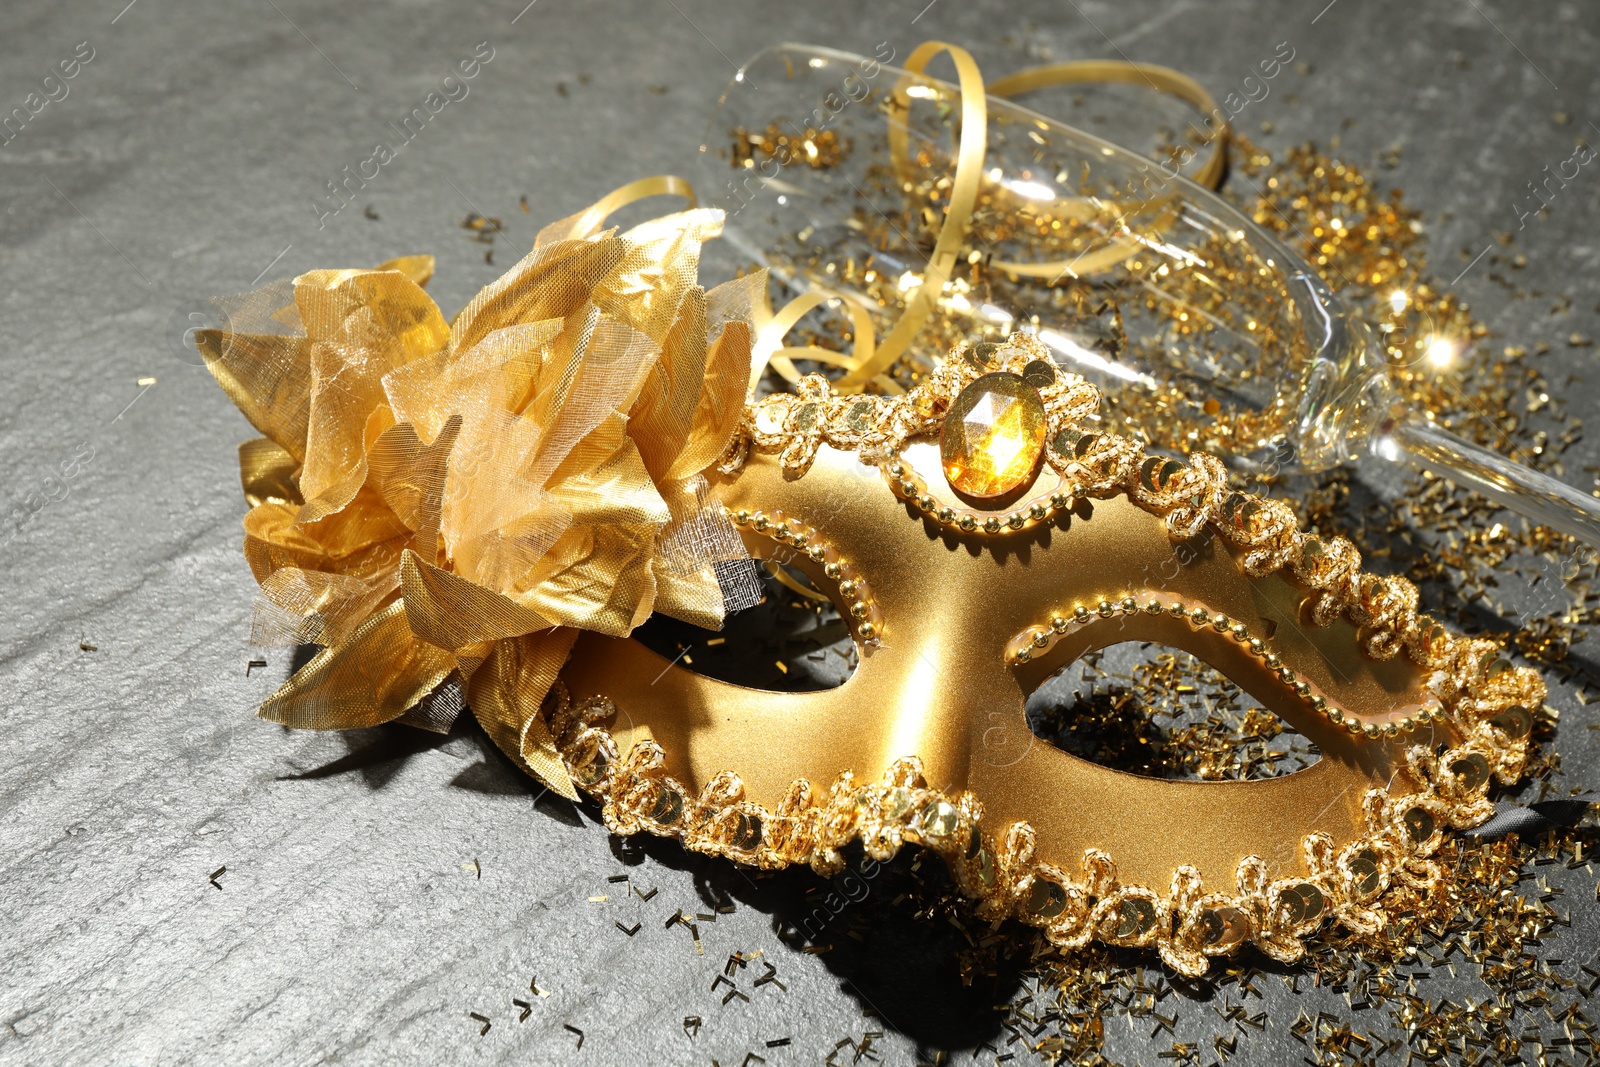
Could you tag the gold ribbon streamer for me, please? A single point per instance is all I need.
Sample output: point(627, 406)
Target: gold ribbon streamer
point(972, 147)
point(1162, 79)
point(782, 359)
point(868, 360)
point(588, 221)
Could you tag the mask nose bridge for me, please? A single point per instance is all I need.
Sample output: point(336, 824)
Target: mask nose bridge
point(937, 686)
point(943, 699)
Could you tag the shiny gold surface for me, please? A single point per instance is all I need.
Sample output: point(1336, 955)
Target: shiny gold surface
point(939, 688)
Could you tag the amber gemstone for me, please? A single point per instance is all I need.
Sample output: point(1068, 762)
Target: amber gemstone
point(993, 436)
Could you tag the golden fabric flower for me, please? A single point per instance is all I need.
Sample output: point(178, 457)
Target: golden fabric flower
point(434, 497)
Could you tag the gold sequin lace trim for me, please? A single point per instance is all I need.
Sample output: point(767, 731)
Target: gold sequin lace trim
point(1187, 922)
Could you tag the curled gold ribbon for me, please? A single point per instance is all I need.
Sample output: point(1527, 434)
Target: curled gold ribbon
point(589, 221)
point(972, 147)
point(869, 359)
point(1162, 79)
point(782, 359)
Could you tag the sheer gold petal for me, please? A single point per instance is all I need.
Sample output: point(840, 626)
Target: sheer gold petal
point(305, 607)
point(664, 414)
point(687, 549)
point(721, 403)
point(550, 282)
point(452, 612)
point(581, 394)
point(597, 578)
point(410, 478)
point(363, 542)
point(695, 598)
point(744, 300)
point(619, 490)
point(495, 375)
point(362, 325)
point(418, 268)
point(268, 377)
point(370, 314)
point(658, 270)
point(377, 674)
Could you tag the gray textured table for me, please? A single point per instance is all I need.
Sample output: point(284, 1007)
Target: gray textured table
point(380, 887)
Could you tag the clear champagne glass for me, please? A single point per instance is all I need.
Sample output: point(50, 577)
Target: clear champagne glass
point(838, 173)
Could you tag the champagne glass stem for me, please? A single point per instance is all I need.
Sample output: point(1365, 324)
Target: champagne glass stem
point(1415, 442)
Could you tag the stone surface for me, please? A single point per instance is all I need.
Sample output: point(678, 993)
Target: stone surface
point(379, 887)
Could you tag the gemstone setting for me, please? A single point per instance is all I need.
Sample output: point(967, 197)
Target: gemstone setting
point(993, 437)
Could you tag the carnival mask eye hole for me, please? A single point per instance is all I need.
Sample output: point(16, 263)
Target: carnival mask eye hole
point(790, 642)
point(1159, 712)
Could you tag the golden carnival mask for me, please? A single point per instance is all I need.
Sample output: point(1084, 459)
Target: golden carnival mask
point(502, 498)
point(981, 534)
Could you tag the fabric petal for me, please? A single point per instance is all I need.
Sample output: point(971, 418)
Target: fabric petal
point(659, 269)
point(268, 473)
point(721, 403)
point(452, 612)
point(362, 325)
point(664, 414)
point(506, 693)
point(306, 607)
point(597, 578)
point(362, 541)
point(410, 478)
point(268, 377)
point(370, 679)
point(551, 282)
point(418, 268)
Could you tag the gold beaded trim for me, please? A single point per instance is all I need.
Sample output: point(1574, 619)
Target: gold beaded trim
point(1186, 924)
point(1039, 639)
point(878, 427)
point(853, 587)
